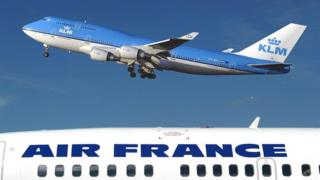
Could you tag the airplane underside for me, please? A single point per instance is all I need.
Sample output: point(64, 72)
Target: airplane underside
point(171, 64)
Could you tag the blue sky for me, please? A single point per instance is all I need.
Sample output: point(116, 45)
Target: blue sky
point(71, 91)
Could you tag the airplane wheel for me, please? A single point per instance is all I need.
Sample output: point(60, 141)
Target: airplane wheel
point(152, 76)
point(130, 69)
point(46, 54)
point(133, 74)
point(143, 76)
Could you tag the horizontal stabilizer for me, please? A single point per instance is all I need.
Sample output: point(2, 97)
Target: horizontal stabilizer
point(275, 66)
point(230, 50)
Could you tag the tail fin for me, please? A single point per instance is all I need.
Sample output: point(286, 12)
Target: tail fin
point(277, 46)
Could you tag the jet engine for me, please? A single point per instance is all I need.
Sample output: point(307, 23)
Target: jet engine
point(127, 52)
point(102, 55)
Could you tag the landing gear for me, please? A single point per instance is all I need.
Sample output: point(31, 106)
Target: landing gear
point(46, 54)
point(132, 72)
point(144, 75)
point(46, 50)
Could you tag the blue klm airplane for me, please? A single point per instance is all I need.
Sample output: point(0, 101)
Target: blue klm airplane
point(266, 56)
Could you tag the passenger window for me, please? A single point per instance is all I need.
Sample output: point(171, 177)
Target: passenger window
point(286, 170)
point(148, 170)
point(233, 170)
point(266, 170)
point(112, 170)
point(306, 170)
point(201, 170)
point(42, 170)
point(184, 170)
point(59, 170)
point(131, 170)
point(217, 170)
point(94, 170)
point(249, 170)
point(76, 170)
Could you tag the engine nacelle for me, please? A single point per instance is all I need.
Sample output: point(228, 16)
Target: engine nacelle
point(127, 52)
point(102, 55)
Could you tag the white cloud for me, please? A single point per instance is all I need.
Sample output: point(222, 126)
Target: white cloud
point(3, 102)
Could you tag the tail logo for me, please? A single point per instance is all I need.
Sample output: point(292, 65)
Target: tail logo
point(273, 47)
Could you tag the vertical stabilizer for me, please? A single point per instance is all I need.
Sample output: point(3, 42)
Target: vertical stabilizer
point(277, 46)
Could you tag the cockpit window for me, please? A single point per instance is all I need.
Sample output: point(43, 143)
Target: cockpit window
point(46, 19)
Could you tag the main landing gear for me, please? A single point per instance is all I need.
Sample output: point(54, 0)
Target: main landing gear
point(143, 73)
point(46, 51)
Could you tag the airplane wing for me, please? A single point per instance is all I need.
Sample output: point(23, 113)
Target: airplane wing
point(172, 43)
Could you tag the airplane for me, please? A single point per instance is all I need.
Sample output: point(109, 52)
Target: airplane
point(162, 153)
point(266, 56)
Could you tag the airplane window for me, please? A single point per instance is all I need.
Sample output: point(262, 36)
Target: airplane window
point(184, 170)
point(249, 170)
point(42, 170)
point(112, 170)
point(306, 171)
point(286, 170)
point(131, 170)
point(233, 170)
point(266, 170)
point(148, 170)
point(201, 170)
point(76, 170)
point(217, 170)
point(94, 170)
point(59, 170)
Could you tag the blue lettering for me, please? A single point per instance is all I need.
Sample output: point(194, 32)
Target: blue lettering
point(120, 150)
point(243, 150)
point(262, 47)
point(269, 50)
point(88, 149)
point(281, 51)
point(158, 149)
point(62, 150)
point(213, 149)
point(187, 149)
point(39, 150)
point(274, 150)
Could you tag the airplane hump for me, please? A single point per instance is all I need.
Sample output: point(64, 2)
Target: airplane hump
point(277, 46)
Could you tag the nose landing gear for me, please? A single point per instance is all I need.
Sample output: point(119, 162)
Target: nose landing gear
point(46, 51)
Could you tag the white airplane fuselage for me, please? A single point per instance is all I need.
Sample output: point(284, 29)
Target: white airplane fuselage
point(161, 153)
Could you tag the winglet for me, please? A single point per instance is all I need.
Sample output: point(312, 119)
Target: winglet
point(255, 123)
point(189, 36)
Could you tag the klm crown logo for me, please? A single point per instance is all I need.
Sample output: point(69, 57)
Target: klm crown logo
point(273, 47)
point(274, 41)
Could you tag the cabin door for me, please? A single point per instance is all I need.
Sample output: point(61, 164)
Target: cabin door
point(2, 148)
point(266, 169)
